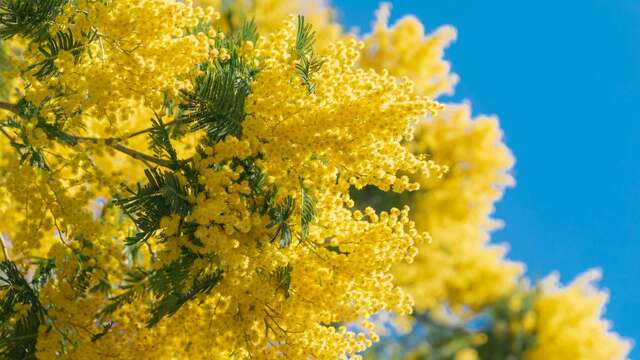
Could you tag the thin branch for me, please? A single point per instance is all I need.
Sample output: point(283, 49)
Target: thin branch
point(134, 134)
point(112, 142)
point(125, 150)
point(5, 251)
point(5, 133)
point(154, 256)
point(143, 157)
point(10, 107)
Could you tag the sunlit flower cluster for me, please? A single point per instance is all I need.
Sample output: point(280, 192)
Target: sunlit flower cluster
point(142, 54)
point(269, 14)
point(341, 267)
point(267, 212)
point(568, 322)
point(459, 268)
point(405, 50)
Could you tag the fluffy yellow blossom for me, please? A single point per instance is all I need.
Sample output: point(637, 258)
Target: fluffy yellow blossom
point(341, 266)
point(466, 354)
point(348, 131)
point(459, 268)
point(141, 54)
point(269, 14)
point(276, 294)
point(244, 241)
point(569, 323)
point(404, 50)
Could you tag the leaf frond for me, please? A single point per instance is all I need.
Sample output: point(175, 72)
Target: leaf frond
point(309, 63)
point(29, 18)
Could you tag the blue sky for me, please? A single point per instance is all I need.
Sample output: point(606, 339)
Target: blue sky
point(564, 78)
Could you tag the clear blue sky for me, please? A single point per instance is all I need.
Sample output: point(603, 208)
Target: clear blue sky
point(564, 78)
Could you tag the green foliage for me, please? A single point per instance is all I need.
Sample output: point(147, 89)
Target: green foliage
point(309, 62)
point(134, 287)
point(280, 215)
point(371, 196)
point(248, 32)
point(32, 20)
point(26, 152)
point(29, 18)
point(26, 112)
point(87, 270)
point(254, 176)
point(216, 103)
point(18, 334)
point(4, 66)
point(283, 279)
point(160, 140)
point(44, 272)
point(308, 213)
point(32, 155)
point(502, 342)
point(169, 284)
point(445, 340)
point(50, 49)
point(162, 195)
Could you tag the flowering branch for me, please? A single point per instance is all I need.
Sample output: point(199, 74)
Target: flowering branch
point(112, 142)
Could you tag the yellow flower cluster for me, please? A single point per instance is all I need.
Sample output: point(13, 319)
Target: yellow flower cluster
point(320, 143)
point(48, 216)
point(269, 14)
point(365, 118)
point(33, 212)
point(459, 268)
point(129, 58)
point(405, 50)
point(133, 53)
point(568, 323)
point(347, 132)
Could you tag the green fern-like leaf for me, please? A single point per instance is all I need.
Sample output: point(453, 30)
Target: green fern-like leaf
point(248, 32)
point(309, 63)
point(18, 337)
point(280, 215)
point(308, 213)
point(44, 272)
point(217, 102)
point(171, 303)
point(29, 18)
point(160, 140)
point(134, 286)
point(161, 196)
point(283, 279)
point(62, 41)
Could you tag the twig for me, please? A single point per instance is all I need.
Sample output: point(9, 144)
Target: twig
point(111, 140)
point(134, 134)
point(5, 133)
point(5, 251)
point(143, 157)
point(10, 107)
